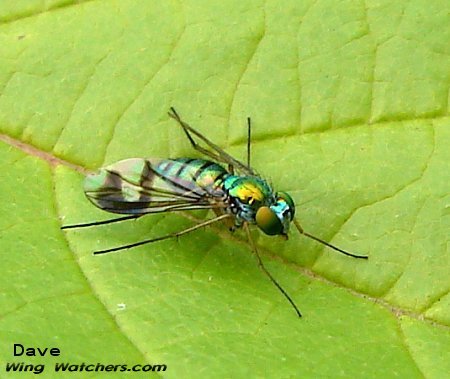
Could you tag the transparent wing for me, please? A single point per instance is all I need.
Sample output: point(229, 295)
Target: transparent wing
point(139, 186)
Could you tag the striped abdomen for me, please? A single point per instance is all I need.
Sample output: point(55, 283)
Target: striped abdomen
point(139, 186)
point(195, 173)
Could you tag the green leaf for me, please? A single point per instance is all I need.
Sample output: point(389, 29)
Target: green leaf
point(349, 107)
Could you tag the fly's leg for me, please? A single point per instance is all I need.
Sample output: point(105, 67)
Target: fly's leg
point(186, 128)
point(249, 138)
point(217, 154)
point(264, 269)
point(229, 222)
point(194, 144)
point(96, 223)
point(167, 236)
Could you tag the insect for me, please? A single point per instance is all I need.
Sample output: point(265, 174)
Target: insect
point(237, 195)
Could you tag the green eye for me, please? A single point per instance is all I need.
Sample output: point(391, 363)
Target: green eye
point(268, 222)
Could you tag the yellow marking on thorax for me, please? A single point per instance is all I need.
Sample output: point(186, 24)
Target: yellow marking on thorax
point(250, 192)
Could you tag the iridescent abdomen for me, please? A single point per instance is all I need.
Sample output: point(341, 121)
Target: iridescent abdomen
point(194, 173)
point(140, 186)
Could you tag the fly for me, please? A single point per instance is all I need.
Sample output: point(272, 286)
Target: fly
point(237, 195)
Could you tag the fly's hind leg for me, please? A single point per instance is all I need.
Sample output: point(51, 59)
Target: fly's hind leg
point(167, 236)
point(186, 128)
point(217, 153)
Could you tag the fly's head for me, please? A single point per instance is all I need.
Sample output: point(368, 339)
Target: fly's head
point(275, 219)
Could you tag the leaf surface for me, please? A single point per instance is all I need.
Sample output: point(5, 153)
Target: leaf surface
point(349, 108)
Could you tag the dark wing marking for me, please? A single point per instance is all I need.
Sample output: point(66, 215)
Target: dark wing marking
point(136, 186)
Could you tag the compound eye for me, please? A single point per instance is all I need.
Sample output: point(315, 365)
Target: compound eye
point(268, 222)
point(288, 200)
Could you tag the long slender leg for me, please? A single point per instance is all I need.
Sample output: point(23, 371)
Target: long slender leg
point(186, 128)
point(300, 229)
point(261, 265)
point(167, 236)
point(95, 223)
point(249, 138)
point(218, 154)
